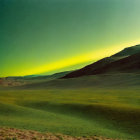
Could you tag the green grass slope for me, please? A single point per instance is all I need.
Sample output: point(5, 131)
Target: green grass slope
point(118, 80)
point(110, 112)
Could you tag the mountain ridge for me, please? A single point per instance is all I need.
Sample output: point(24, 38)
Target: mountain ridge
point(99, 65)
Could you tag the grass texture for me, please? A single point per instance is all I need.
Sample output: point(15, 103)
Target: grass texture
point(78, 112)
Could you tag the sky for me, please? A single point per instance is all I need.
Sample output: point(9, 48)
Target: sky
point(48, 36)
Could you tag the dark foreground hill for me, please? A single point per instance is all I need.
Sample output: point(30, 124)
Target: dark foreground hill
point(111, 64)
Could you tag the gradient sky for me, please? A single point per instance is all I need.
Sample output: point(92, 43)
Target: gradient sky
point(46, 36)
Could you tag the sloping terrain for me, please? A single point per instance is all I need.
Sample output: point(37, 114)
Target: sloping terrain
point(120, 80)
point(113, 113)
point(38, 77)
point(127, 51)
point(130, 64)
point(97, 66)
point(104, 101)
point(22, 80)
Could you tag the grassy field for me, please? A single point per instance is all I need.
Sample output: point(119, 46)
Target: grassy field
point(108, 112)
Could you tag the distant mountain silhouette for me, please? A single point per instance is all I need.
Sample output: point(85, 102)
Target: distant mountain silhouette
point(126, 60)
point(52, 76)
point(126, 65)
point(128, 51)
point(37, 77)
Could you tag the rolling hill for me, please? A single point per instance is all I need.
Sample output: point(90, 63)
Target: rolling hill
point(130, 64)
point(38, 77)
point(119, 70)
point(29, 79)
point(101, 99)
point(109, 63)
